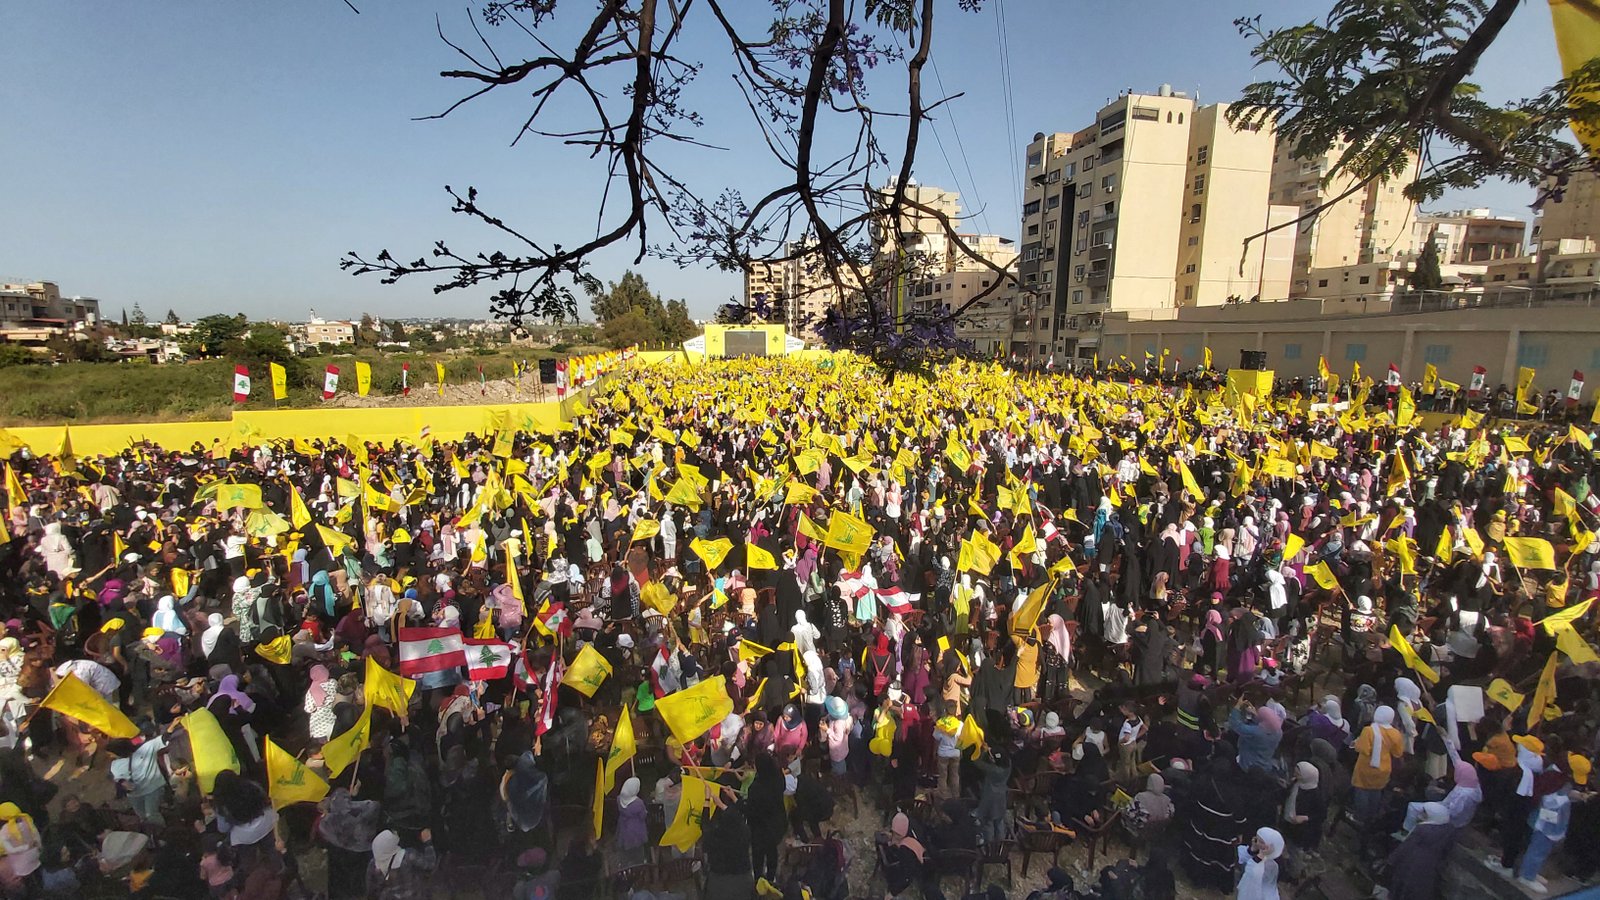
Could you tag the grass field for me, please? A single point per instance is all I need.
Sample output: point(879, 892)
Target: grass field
point(91, 393)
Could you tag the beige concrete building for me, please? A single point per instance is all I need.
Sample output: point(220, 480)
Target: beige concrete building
point(39, 304)
point(1143, 211)
point(798, 286)
point(1574, 214)
point(1375, 223)
point(1554, 337)
point(1468, 236)
point(322, 331)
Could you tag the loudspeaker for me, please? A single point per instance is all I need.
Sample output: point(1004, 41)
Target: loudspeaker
point(547, 371)
point(1253, 360)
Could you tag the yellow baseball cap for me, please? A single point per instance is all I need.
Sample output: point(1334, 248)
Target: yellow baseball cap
point(1529, 742)
point(1579, 766)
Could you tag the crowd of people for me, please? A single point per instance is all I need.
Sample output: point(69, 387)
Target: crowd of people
point(671, 642)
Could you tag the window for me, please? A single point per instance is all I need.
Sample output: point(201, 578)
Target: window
point(1202, 154)
point(1189, 269)
point(1083, 244)
point(1088, 163)
point(1169, 118)
point(1436, 354)
point(1083, 217)
point(1044, 322)
point(1070, 170)
point(1077, 297)
point(1077, 272)
point(1594, 358)
point(1188, 292)
point(1044, 348)
point(1194, 240)
point(1355, 352)
point(1194, 213)
point(1291, 351)
point(1031, 209)
point(1146, 114)
point(1053, 202)
point(1054, 176)
point(1200, 184)
point(1366, 279)
point(1101, 238)
point(1047, 275)
point(1180, 118)
point(1035, 158)
point(1108, 183)
point(1533, 355)
point(1084, 189)
point(1114, 121)
point(1033, 231)
point(1322, 282)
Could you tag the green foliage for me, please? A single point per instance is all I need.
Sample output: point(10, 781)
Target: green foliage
point(1379, 80)
point(630, 313)
point(14, 355)
point(213, 335)
point(1427, 276)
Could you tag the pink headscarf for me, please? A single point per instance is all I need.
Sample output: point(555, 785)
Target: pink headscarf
point(1059, 637)
point(1466, 775)
point(1214, 623)
point(319, 676)
point(1269, 718)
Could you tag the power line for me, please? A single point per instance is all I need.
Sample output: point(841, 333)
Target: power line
point(983, 209)
point(1008, 103)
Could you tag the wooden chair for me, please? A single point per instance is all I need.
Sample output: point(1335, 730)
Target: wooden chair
point(963, 863)
point(625, 880)
point(1040, 841)
point(797, 857)
point(995, 854)
point(670, 872)
point(1098, 835)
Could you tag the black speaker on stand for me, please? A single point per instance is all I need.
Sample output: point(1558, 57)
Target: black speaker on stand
point(1253, 360)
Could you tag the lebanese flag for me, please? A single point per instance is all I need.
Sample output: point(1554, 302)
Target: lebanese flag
point(330, 382)
point(520, 672)
point(1048, 531)
point(553, 618)
point(896, 600)
point(241, 384)
point(552, 683)
point(1394, 376)
point(487, 659)
point(1476, 386)
point(424, 650)
point(1575, 389)
point(405, 379)
point(561, 378)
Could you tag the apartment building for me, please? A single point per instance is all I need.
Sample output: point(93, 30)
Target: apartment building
point(1573, 214)
point(322, 331)
point(800, 287)
point(1142, 211)
point(1469, 236)
point(39, 304)
point(1374, 223)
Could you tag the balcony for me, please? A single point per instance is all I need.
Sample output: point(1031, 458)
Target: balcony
point(1099, 277)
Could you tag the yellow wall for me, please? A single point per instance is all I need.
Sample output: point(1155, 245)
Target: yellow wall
point(716, 346)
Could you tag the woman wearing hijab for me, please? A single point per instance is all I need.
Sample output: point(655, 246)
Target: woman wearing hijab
point(21, 844)
point(1213, 811)
point(1055, 654)
point(1212, 645)
point(1377, 750)
point(764, 809)
point(1306, 808)
point(1415, 865)
point(348, 826)
point(167, 618)
point(1328, 723)
point(632, 832)
point(525, 792)
point(1152, 809)
point(1259, 861)
point(902, 855)
point(1078, 798)
point(320, 699)
point(220, 645)
point(1259, 731)
point(400, 873)
point(790, 736)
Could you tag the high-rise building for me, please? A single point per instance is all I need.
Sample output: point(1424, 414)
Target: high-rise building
point(800, 288)
point(1574, 214)
point(1144, 210)
point(1373, 224)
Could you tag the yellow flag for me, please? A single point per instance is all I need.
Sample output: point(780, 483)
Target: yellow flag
point(1571, 643)
point(299, 516)
point(1405, 409)
point(1027, 615)
point(587, 672)
point(1430, 378)
point(1500, 691)
point(684, 831)
point(180, 583)
point(1545, 693)
point(337, 541)
point(288, 779)
point(343, 749)
point(758, 558)
point(75, 699)
point(1530, 553)
point(848, 533)
point(599, 796)
point(363, 378)
point(15, 494)
point(957, 454)
point(238, 496)
point(1525, 378)
point(683, 493)
point(1554, 622)
point(1413, 661)
point(799, 492)
point(692, 711)
point(1025, 546)
point(210, 747)
point(749, 650)
point(1323, 575)
point(1577, 27)
point(438, 370)
point(1292, 545)
point(622, 747)
point(882, 743)
point(656, 596)
point(971, 737)
point(387, 690)
point(646, 529)
point(810, 529)
point(712, 552)
point(280, 381)
point(278, 650)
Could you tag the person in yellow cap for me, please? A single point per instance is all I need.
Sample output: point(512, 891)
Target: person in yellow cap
point(20, 843)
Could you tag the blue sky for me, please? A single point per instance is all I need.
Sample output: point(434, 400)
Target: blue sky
point(215, 157)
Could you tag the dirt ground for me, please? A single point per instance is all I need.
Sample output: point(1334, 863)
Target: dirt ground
point(506, 390)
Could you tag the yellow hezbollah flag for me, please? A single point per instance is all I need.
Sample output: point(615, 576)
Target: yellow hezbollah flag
point(278, 650)
point(180, 583)
point(289, 781)
point(1531, 553)
point(1027, 615)
point(209, 744)
point(363, 378)
point(622, 747)
point(1577, 26)
point(1323, 575)
point(1555, 621)
point(1413, 661)
point(646, 529)
point(438, 370)
point(758, 558)
point(343, 749)
point(587, 672)
point(971, 736)
point(684, 832)
point(15, 495)
point(1525, 378)
point(245, 496)
point(299, 516)
point(387, 690)
point(799, 492)
point(74, 699)
point(692, 711)
point(848, 533)
point(1545, 693)
point(1568, 641)
point(1292, 545)
point(280, 381)
point(1501, 692)
point(713, 552)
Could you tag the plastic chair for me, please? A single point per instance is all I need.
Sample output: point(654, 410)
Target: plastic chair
point(944, 863)
point(1040, 841)
point(995, 854)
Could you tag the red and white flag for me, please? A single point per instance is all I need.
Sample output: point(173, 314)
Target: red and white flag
point(424, 650)
point(241, 384)
point(1575, 389)
point(1475, 387)
point(405, 379)
point(561, 378)
point(552, 684)
point(553, 619)
point(488, 659)
point(896, 600)
point(1394, 376)
point(330, 382)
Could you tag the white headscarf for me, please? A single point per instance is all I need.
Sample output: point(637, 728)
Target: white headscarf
point(214, 629)
point(629, 794)
point(166, 618)
point(1254, 885)
point(387, 853)
point(1384, 715)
